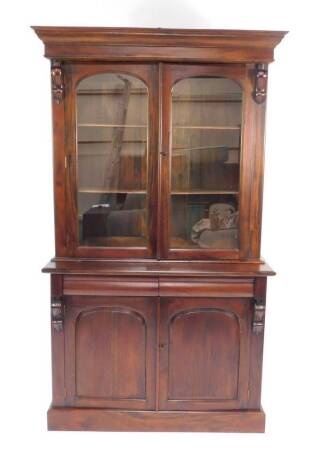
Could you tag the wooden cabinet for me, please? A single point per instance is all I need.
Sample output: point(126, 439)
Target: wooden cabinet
point(158, 288)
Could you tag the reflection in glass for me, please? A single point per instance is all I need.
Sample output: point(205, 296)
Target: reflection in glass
point(112, 134)
point(205, 157)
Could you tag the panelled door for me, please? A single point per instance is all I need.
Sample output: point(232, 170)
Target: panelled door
point(111, 160)
point(205, 149)
point(110, 352)
point(116, 152)
point(204, 353)
point(111, 359)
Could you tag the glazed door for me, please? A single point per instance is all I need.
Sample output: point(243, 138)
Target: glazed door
point(204, 353)
point(110, 346)
point(204, 182)
point(111, 160)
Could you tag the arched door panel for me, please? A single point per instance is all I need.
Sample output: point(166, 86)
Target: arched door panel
point(204, 351)
point(110, 160)
point(110, 352)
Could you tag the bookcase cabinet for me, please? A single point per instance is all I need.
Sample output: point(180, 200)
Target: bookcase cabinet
point(157, 284)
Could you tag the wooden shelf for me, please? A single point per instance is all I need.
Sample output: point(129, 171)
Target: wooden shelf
point(216, 128)
point(207, 99)
point(176, 99)
point(176, 242)
point(113, 125)
point(110, 141)
point(185, 192)
point(111, 191)
point(121, 242)
point(214, 147)
point(139, 126)
point(106, 155)
point(92, 92)
point(142, 191)
point(183, 243)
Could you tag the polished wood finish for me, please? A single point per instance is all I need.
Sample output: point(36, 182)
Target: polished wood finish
point(204, 354)
point(159, 336)
point(161, 44)
point(172, 73)
point(74, 74)
point(205, 287)
point(57, 348)
point(159, 79)
point(256, 359)
point(147, 268)
point(93, 419)
point(103, 285)
point(110, 352)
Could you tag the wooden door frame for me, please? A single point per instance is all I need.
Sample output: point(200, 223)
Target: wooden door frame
point(171, 74)
point(146, 308)
point(74, 73)
point(239, 307)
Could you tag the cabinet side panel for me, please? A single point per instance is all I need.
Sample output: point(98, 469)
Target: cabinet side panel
point(59, 152)
point(257, 187)
point(57, 348)
point(256, 357)
point(252, 169)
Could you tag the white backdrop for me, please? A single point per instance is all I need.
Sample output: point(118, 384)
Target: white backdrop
point(291, 238)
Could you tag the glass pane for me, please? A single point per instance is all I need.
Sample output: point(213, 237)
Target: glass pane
point(112, 135)
point(205, 157)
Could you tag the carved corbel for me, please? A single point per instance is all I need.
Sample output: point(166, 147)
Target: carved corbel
point(260, 86)
point(57, 313)
point(57, 81)
point(258, 318)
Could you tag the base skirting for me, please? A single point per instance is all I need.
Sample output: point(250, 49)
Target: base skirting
point(93, 419)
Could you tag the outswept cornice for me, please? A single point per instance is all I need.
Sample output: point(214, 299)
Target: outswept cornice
point(183, 45)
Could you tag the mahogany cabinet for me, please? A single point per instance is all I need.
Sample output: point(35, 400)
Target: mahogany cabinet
point(157, 284)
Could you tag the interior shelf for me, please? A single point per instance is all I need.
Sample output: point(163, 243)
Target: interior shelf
point(139, 126)
point(113, 125)
point(227, 98)
point(115, 241)
point(219, 128)
point(184, 192)
point(92, 92)
point(208, 147)
point(90, 155)
point(207, 99)
point(110, 141)
point(174, 149)
point(111, 191)
point(183, 243)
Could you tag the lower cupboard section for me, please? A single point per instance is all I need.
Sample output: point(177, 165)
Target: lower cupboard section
point(150, 353)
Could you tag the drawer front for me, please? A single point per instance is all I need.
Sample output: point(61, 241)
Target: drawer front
point(206, 287)
point(101, 285)
point(153, 287)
